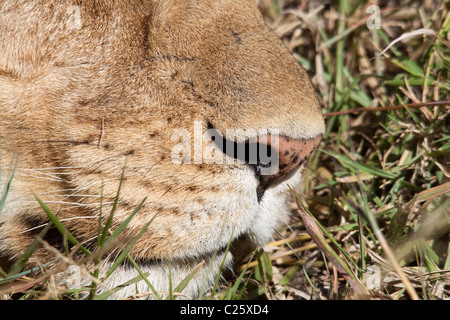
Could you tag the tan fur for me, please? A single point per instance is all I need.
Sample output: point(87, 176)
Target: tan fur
point(77, 100)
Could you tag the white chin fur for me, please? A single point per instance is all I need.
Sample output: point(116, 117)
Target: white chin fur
point(269, 214)
point(272, 210)
point(159, 278)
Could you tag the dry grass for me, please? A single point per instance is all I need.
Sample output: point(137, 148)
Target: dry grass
point(379, 186)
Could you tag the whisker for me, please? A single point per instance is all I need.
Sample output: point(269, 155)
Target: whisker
point(72, 203)
point(79, 195)
point(62, 220)
point(48, 168)
point(52, 178)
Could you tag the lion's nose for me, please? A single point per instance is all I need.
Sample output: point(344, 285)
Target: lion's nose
point(285, 155)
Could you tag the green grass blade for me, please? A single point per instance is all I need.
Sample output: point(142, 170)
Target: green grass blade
point(18, 266)
point(123, 225)
point(25, 273)
point(105, 295)
point(325, 231)
point(351, 164)
point(263, 270)
point(8, 183)
point(60, 227)
point(216, 283)
point(144, 277)
point(182, 285)
point(170, 297)
point(232, 293)
point(290, 274)
point(127, 249)
point(109, 221)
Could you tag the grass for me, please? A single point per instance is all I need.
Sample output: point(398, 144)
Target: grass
point(378, 189)
point(372, 217)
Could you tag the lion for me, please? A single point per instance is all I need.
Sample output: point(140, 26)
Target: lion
point(149, 109)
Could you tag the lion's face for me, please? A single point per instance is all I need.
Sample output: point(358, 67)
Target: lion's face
point(91, 88)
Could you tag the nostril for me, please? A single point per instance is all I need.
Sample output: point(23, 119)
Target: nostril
point(272, 157)
point(292, 153)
